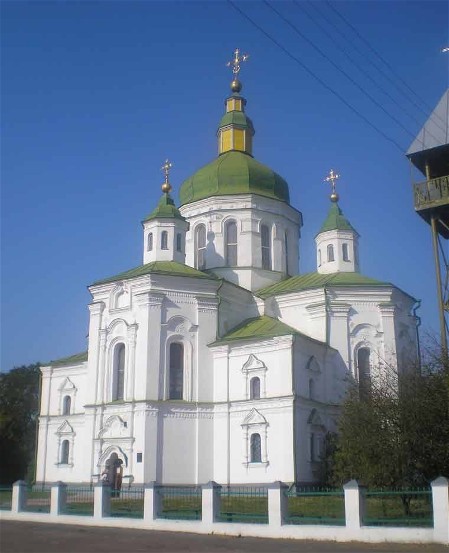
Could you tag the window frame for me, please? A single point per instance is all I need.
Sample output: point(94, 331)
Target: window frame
point(265, 246)
point(200, 249)
point(231, 248)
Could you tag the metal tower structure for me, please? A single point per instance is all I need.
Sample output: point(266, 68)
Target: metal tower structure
point(429, 153)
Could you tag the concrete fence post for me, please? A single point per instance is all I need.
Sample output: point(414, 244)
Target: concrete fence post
point(19, 496)
point(440, 500)
point(354, 505)
point(102, 500)
point(210, 502)
point(151, 502)
point(277, 503)
point(58, 498)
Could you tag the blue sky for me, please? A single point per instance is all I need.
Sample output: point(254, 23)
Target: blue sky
point(95, 95)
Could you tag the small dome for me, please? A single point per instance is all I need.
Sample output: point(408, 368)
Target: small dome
point(335, 220)
point(234, 173)
point(165, 209)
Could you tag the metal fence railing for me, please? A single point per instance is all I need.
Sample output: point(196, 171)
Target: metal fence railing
point(38, 499)
point(5, 498)
point(244, 504)
point(398, 508)
point(315, 506)
point(127, 502)
point(80, 501)
point(179, 502)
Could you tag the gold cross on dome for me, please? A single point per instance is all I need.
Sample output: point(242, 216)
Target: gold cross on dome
point(166, 169)
point(236, 61)
point(332, 178)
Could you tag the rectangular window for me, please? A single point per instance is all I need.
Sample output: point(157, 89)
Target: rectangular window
point(139, 457)
point(266, 247)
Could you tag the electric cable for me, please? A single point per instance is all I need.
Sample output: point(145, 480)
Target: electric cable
point(325, 56)
point(365, 41)
point(301, 7)
point(312, 74)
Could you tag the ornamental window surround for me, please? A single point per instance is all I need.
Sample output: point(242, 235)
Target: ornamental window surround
point(254, 369)
point(255, 437)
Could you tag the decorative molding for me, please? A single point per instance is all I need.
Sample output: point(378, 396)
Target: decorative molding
point(67, 386)
point(253, 364)
point(96, 308)
point(254, 417)
point(151, 299)
point(65, 429)
point(114, 427)
point(206, 305)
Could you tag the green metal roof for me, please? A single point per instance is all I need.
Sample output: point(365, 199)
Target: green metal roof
point(165, 209)
point(234, 173)
point(257, 328)
point(172, 268)
point(238, 119)
point(76, 359)
point(336, 220)
point(316, 280)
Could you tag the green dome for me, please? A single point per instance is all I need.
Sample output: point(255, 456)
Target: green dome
point(165, 209)
point(237, 119)
point(336, 220)
point(234, 173)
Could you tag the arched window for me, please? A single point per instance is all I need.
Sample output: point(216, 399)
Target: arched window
point(118, 385)
point(256, 453)
point(319, 258)
point(164, 240)
point(150, 242)
point(311, 389)
point(254, 388)
point(176, 375)
point(313, 447)
point(286, 252)
point(363, 368)
point(231, 244)
point(265, 237)
point(66, 405)
point(200, 247)
point(65, 450)
point(179, 242)
point(345, 252)
point(330, 253)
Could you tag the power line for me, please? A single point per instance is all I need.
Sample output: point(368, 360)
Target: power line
point(312, 74)
point(355, 83)
point(352, 59)
point(365, 41)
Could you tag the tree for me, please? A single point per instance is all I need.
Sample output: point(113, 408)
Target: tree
point(396, 435)
point(19, 403)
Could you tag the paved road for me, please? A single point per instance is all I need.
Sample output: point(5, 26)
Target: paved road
point(32, 537)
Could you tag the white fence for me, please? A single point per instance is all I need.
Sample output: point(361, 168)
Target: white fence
point(351, 529)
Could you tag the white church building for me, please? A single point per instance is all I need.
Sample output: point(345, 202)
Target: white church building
point(215, 359)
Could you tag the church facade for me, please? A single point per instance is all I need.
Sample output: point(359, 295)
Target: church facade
point(215, 359)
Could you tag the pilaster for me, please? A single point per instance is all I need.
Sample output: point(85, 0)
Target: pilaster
point(96, 311)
